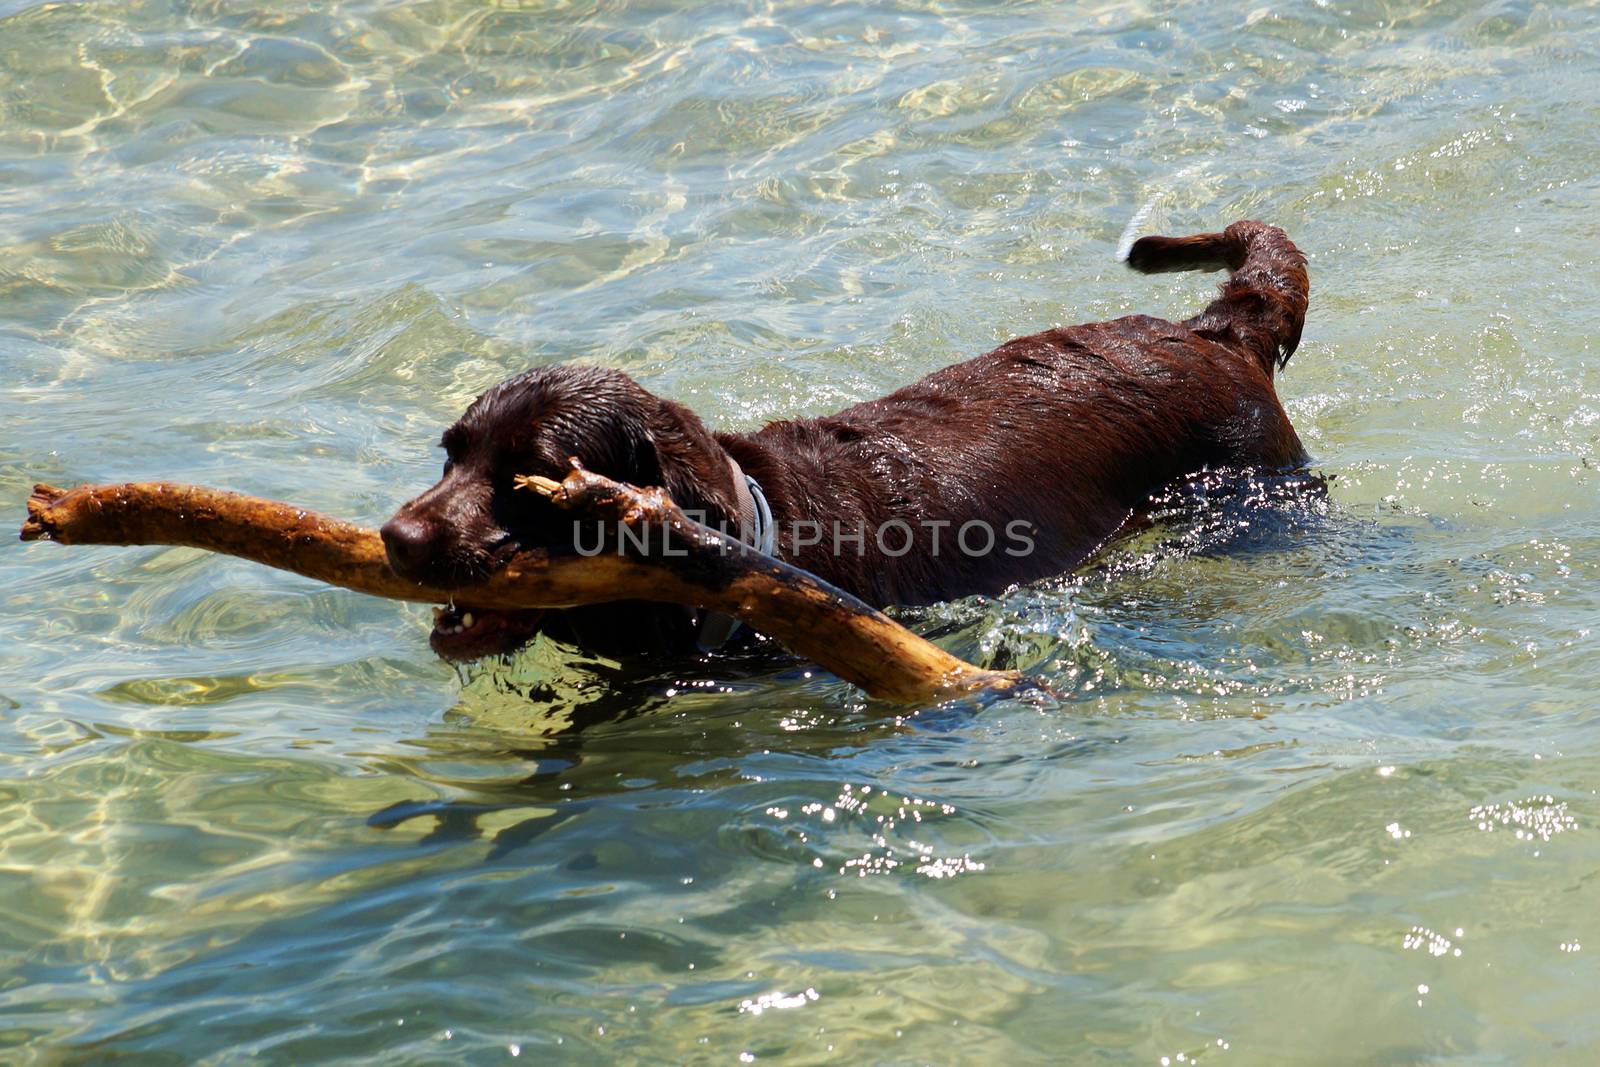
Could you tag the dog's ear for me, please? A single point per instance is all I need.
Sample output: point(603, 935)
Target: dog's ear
point(616, 427)
point(689, 464)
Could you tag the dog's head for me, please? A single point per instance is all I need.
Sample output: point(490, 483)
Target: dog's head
point(459, 532)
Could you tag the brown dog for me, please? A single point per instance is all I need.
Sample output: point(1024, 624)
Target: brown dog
point(1007, 468)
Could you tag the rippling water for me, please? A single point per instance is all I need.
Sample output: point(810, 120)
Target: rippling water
point(1321, 786)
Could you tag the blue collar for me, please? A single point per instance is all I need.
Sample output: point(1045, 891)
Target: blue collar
point(756, 529)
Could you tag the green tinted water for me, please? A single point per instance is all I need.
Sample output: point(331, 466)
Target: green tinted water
point(1322, 786)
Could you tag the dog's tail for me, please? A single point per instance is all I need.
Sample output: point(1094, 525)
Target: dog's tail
point(1263, 304)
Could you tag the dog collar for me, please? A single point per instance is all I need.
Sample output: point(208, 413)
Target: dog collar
point(766, 531)
point(756, 529)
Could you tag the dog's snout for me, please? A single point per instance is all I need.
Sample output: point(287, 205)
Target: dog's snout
point(409, 542)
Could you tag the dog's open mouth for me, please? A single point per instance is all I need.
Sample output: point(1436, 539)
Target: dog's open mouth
point(463, 633)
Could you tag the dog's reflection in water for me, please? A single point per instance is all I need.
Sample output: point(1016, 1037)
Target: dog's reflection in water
point(547, 715)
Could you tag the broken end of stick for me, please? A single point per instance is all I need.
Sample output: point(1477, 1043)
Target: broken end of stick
point(585, 491)
point(38, 526)
point(962, 683)
point(565, 492)
point(545, 487)
point(970, 680)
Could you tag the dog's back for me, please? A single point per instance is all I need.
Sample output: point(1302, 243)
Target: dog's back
point(1067, 432)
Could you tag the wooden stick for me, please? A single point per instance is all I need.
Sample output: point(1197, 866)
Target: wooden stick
point(792, 606)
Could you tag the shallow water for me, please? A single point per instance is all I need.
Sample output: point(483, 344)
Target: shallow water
point(1321, 784)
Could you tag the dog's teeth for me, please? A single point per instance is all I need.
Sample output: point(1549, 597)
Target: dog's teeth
point(466, 621)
